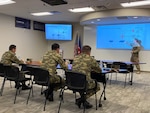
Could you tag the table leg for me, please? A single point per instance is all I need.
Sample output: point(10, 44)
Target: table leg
point(131, 78)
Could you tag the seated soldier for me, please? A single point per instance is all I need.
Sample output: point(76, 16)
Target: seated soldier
point(8, 58)
point(50, 61)
point(84, 63)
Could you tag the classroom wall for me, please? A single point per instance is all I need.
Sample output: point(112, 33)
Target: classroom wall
point(30, 43)
point(108, 54)
point(68, 46)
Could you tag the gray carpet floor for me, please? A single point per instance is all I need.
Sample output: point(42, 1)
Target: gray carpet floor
point(131, 99)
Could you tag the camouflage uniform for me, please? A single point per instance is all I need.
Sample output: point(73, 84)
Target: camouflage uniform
point(50, 61)
point(135, 56)
point(84, 63)
point(9, 58)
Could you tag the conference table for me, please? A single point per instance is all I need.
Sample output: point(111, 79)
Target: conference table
point(129, 64)
point(101, 77)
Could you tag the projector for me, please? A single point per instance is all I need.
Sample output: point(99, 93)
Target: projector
point(55, 2)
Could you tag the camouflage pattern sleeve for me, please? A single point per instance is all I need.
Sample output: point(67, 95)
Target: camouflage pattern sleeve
point(62, 63)
point(9, 58)
point(16, 60)
point(95, 66)
point(136, 49)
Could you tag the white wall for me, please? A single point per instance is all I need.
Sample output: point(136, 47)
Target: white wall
point(105, 54)
point(68, 46)
point(30, 43)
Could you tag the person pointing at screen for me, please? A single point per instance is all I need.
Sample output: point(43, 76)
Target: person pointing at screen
point(136, 47)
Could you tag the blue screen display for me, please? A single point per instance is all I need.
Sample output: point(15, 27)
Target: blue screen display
point(122, 36)
point(58, 31)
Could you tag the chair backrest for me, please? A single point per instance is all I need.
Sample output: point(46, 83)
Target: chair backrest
point(106, 64)
point(123, 65)
point(119, 65)
point(23, 67)
point(27, 67)
point(11, 72)
point(2, 70)
point(75, 81)
point(41, 76)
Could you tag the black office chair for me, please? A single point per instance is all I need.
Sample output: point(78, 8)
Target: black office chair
point(120, 67)
point(1, 70)
point(77, 83)
point(30, 71)
point(41, 77)
point(12, 73)
point(106, 66)
point(100, 77)
point(25, 69)
point(2, 74)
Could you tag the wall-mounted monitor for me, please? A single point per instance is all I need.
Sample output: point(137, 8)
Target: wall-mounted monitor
point(58, 31)
point(22, 23)
point(121, 36)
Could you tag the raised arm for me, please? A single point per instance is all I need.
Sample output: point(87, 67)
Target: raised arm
point(136, 49)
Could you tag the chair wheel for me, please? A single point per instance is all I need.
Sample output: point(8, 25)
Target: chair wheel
point(100, 105)
point(104, 98)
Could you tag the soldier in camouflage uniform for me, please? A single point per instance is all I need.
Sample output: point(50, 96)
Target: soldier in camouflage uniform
point(135, 54)
point(50, 61)
point(84, 63)
point(8, 58)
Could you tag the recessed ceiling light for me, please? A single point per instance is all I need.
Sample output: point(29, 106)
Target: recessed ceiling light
point(137, 3)
point(41, 14)
point(84, 9)
point(5, 2)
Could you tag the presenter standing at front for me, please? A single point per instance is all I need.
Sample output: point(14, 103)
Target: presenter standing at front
point(136, 47)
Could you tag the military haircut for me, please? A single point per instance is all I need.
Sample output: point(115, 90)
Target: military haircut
point(11, 47)
point(86, 49)
point(55, 46)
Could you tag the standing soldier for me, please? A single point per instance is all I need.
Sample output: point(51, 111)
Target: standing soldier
point(50, 61)
point(84, 63)
point(135, 54)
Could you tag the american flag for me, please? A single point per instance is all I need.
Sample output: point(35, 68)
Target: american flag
point(77, 47)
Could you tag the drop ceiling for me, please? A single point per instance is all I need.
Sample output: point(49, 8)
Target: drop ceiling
point(23, 8)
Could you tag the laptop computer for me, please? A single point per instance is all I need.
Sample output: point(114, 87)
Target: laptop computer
point(69, 66)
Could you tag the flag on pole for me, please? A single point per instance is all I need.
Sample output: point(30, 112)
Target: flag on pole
point(77, 48)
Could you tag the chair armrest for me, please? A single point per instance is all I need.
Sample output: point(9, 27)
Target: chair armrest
point(24, 72)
